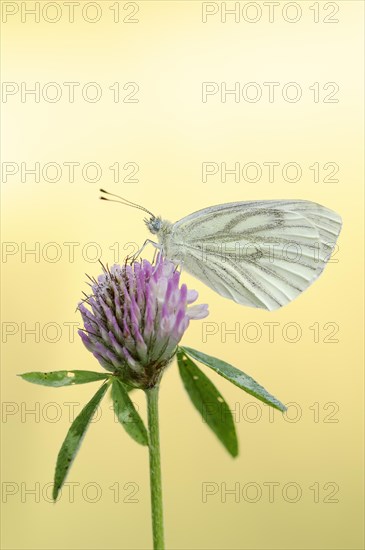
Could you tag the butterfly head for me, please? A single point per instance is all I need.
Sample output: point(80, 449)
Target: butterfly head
point(154, 224)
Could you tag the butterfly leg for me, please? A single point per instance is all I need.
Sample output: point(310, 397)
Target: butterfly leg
point(154, 255)
point(181, 265)
point(139, 252)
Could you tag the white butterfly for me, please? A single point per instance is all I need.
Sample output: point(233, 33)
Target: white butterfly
point(261, 254)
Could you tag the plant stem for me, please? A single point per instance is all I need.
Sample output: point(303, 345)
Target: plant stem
point(155, 468)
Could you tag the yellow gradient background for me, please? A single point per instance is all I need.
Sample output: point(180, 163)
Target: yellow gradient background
point(169, 133)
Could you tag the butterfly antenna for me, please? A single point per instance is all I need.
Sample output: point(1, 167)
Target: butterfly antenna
point(124, 201)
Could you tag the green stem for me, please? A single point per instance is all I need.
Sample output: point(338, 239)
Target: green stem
point(155, 468)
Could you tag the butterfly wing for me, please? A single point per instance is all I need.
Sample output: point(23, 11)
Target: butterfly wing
point(327, 222)
point(261, 254)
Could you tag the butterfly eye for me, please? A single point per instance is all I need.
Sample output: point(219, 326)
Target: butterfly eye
point(154, 225)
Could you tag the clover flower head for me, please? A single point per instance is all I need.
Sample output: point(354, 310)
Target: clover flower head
point(138, 315)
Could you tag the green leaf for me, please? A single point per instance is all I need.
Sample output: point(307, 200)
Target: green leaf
point(73, 439)
point(61, 378)
point(127, 414)
point(209, 402)
point(236, 376)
